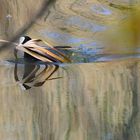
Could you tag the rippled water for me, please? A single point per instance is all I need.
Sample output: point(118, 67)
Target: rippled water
point(90, 27)
point(96, 97)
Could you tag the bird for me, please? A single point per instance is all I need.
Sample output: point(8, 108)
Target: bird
point(23, 40)
point(33, 51)
point(34, 75)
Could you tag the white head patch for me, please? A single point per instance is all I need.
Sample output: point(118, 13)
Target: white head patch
point(21, 39)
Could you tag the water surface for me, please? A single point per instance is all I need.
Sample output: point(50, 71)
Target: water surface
point(96, 97)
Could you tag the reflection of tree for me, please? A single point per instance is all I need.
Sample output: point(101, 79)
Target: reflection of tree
point(45, 9)
point(34, 75)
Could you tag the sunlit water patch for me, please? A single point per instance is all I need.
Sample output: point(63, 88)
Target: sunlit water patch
point(100, 9)
point(64, 38)
point(84, 25)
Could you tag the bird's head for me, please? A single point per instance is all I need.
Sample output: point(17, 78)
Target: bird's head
point(24, 39)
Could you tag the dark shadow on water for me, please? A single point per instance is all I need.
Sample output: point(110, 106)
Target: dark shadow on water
point(31, 74)
point(34, 73)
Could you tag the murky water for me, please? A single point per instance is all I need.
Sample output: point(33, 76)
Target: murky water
point(96, 97)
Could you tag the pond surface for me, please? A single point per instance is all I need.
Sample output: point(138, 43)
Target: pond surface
point(96, 97)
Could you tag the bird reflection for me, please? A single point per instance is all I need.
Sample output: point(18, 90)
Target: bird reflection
point(35, 74)
point(30, 75)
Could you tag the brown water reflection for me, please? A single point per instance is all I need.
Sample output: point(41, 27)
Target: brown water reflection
point(91, 101)
point(34, 75)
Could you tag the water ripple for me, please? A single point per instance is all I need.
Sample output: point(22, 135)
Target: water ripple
point(99, 9)
point(84, 24)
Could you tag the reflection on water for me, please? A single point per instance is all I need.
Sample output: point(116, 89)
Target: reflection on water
point(94, 100)
point(31, 74)
point(84, 25)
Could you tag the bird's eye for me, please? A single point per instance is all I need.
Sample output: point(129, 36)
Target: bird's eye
point(21, 40)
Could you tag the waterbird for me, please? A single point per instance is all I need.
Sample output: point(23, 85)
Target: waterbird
point(34, 51)
point(34, 75)
point(22, 40)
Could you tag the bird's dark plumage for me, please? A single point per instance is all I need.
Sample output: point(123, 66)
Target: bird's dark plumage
point(23, 40)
